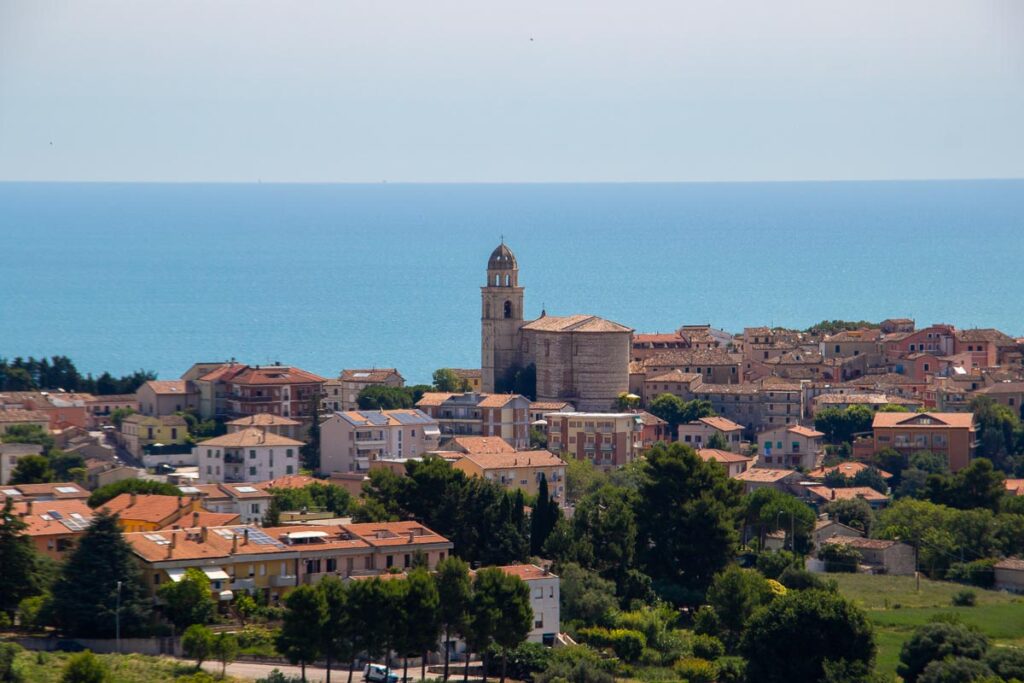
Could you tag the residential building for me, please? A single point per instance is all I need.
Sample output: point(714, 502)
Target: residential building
point(713, 365)
point(272, 424)
point(55, 525)
point(520, 470)
point(480, 444)
point(545, 593)
point(676, 382)
point(139, 431)
point(880, 556)
point(102, 472)
point(871, 401)
point(847, 469)
point(982, 346)
point(734, 463)
point(166, 397)
point(849, 343)
point(10, 417)
point(653, 430)
point(823, 495)
point(939, 339)
point(62, 490)
point(100, 408)
point(249, 501)
point(753, 478)
point(275, 389)
point(149, 512)
point(893, 325)
point(608, 440)
point(472, 376)
point(11, 453)
point(952, 435)
point(351, 440)
point(1008, 393)
point(343, 393)
point(539, 408)
point(825, 529)
point(1009, 575)
point(470, 414)
point(791, 447)
point(249, 455)
point(699, 432)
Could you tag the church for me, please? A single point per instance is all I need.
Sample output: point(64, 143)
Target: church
point(582, 359)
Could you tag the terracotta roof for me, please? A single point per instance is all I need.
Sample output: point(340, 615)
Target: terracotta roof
point(1014, 563)
point(112, 398)
point(888, 379)
point(690, 357)
point(984, 335)
point(201, 518)
point(706, 388)
point(167, 420)
point(805, 431)
point(275, 375)
point(721, 423)
point(516, 460)
point(168, 386)
point(18, 416)
point(847, 469)
point(289, 481)
point(862, 399)
point(574, 323)
point(248, 438)
point(672, 337)
point(468, 373)
point(394, 533)
point(433, 398)
point(849, 493)
point(1003, 388)
point(482, 444)
point(674, 376)
point(636, 367)
point(859, 542)
point(960, 420)
point(721, 456)
point(147, 507)
point(244, 491)
point(43, 521)
point(1015, 487)
point(265, 420)
point(764, 474)
point(549, 405)
point(64, 490)
point(650, 420)
point(206, 492)
point(527, 572)
point(863, 335)
point(368, 375)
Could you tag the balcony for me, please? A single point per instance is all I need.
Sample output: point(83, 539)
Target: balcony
point(243, 585)
point(283, 580)
point(254, 399)
point(234, 459)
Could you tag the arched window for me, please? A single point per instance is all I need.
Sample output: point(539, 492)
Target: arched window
point(508, 280)
point(497, 280)
point(508, 309)
point(487, 310)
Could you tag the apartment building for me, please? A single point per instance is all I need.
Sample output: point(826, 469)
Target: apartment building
point(342, 393)
point(249, 455)
point(100, 408)
point(953, 435)
point(272, 424)
point(11, 453)
point(519, 470)
point(54, 526)
point(140, 431)
point(248, 501)
point(472, 414)
point(608, 440)
point(166, 397)
point(734, 463)
point(790, 447)
point(351, 440)
point(545, 594)
point(699, 432)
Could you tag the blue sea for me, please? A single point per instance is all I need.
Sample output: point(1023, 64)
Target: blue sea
point(157, 276)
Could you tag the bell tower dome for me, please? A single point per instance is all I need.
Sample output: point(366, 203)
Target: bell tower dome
point(501, 317)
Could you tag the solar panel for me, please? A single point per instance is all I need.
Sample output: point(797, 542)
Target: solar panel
point(245, 489)
point(260, 537)
point(11, 492)
point(158, 539)
point(54, 514)
point(66, 489)
point(188, 489)
point(224, 533)
point(75, 524)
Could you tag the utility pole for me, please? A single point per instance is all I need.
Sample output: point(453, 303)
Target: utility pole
point(117, 618)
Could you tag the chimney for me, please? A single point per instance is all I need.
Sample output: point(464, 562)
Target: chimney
point(28, 506)
point(202, 535)
point(412, 535)
point(234, 543)
point(245, 536)
point(133, 499)
point(833, 494)
point(179, 501)
point(172, 544)
point(195, 518)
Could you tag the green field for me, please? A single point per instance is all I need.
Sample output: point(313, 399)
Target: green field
point(47, 667)
point(896, 608)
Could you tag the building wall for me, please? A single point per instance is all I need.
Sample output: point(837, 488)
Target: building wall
point(544, 599)
point(588, 369)
point(526, 479)
point(348, 448)
point(954, 443)
point(697, 434)
point(237, 465)
point(607, 440)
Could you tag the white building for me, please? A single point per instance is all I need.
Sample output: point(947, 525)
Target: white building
point(11, 453)
point(248, 455)
point(250, 502)
point(544, 597)
point(350, 440)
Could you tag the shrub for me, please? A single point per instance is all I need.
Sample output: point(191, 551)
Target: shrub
point(938, 641)
point(731, 670)
point(956, 670)
point(8, 651)
point(1006, 662)
point(980, 573)
point(627, 644)
point(35, 612)
point(772, 564)
point(84, 667)
point(197, 643)
point(839, 557)
point(965, 599)
point(696, 670)
point(798, 579)
point(707, 647)
point(276, 676)
point(523, 663)
point(706, 621)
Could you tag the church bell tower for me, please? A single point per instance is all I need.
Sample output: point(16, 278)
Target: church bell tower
point(501, 317)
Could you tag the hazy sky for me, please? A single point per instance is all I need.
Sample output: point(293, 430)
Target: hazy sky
point(429, 90)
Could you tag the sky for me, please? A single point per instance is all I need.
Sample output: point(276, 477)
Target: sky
point(524, 91)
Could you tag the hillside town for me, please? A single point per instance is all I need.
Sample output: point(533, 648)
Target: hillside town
point(623, 501)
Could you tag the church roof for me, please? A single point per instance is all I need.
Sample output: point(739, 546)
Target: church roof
point(574, 323)
point(502, 258)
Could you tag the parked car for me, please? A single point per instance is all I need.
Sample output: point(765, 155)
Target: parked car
point(378, 673)
point(164, 468)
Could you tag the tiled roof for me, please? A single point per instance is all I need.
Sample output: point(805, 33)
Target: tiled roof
point(168, 386)
point(437, 398)
point(674, 376)
point(960, 420)
point(1015, 487)
point(650, 420)
point(385, 418)
point(864, 399)
point(726, 389)
point(249, 438)
point(721, 423)
point(516, 460)
point(527, 572)
point(265, 420)
point(276, 375)
point(805, 431)
point(288, 481)
point(1014, 563)
point(64, 490)
point(865, 335)
point(201, 518)
point(765, 474)
point(1003, 388)
point(482, 444)
point(468, 373)
point(850, 493)
point(847, 469)
point(984, 335)
point(859, 542)
point(574, 323)
point(112, 398)
point(721, 456)
point(167, 420)
point(549, 405)
point(18, 416)
point(368, 375)
point(394, 533)
point(690, 357)
point(147, 507)
point(44, 522)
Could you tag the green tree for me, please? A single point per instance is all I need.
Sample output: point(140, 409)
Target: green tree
point(117, 416)
point(379, 397)
point(397, 628)
point(337, 635)
point(367, 601)
point(1006, 662)
point(225, 650)
point(792, 637)
point(310, 451)
point(84, 667)
point(455, 600)
point(688, 512)
point(586, 597)
point(543, 518)
point(1000, 433)
point(245, 607)
point(955, 670)
point(100, 569)
point(501, 611)
point(853, 512)
point(605, 533)
point(936, 642)
point(422, 614)
point(767, 509)
point(300, 637)
point(8, 672)
point(581, 477)
point(676, 411)
point(840, 558)
point(735, 594)
point(32, 469)
point(445, 379)
point(140, 486)
point(840, 425)
point(718, 441)
point(871, 478)
point(18, 559)
point(188, 601)
point(197, 643)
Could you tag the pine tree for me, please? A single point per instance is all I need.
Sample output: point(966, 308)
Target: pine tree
point(17, 558)
point(543, 518)
point(455, 594)
point(301, 633)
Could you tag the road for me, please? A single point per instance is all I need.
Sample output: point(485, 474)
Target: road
point(252, 671)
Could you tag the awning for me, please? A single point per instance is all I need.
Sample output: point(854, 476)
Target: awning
point(216, 574)
point(176, 574)
point(294, 535)
point(226, 595)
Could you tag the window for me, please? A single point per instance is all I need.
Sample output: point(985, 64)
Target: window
point(252, 471)
point(252, 455)
point(390, 560)
point(289, 453)
point(254, 508)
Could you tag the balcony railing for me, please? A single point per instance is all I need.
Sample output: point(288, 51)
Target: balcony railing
point(283, 580)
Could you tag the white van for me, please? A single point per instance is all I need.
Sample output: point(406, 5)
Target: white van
point(378, 673)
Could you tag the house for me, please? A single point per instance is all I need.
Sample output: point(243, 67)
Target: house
point(1009, 574)
point(480, 444)
point(847, 469)
point(100, 408)
point(540, 408)
point(734, 463)
point(351, 440)
point(653, 430)
point(753, 478)
point(871, 401)
point(606, 439)
point(544, 599)
point(11, 453)
point(10, 417)
point(699, 432)
point(272, 424)
point(54, 526)
point(166, 397)
point(343, 392)
point(791, 447)
point(676, 382)
point(472, 376)
point(823, 495)
point(849, 343)
point(713, 365)
point(520, 470)
point(982, 346)
point(149, 512)
point(504, 415)
point(1008, 393)
point(952, 435)
point(65, 490)
point(825, 529)
point(249, 501)
point(880, 556)
point(139, 432)
point(939, 339)
point(248, 455)
point(102, 472)
point(893, 325)
point(281, 390)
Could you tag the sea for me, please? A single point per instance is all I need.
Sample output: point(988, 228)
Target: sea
point(157, 276)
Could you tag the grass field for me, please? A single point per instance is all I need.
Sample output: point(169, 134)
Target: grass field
point(48, 667)
point(896, 608)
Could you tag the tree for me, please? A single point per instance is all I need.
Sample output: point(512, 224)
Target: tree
point(32, 469)
point(872, 478)
point(936, 642)
point(792, 638)
point(8, 653)
point(197, 643)
point(140, 486)
point(455, 599)
point(84, 667)
point(955, 670)
point(397, 628)
point(718, 441)
point(310, 451)
point(225, 649)
point(585, 596)
point(501, 611)
point(117, 416)
point(604, 533)
point(840, 558)
point(245, 608)
point(581, 477)
point(188, 601)
point(338, 637)
point(367, 601)
point(447, 381)
point(1000, 432)
point(687, 512)
point(422, 613)
point(543, 518)
point(853, 512)
point(18, 559)
point(676, 411)
point(839, 426)
point(1006, 662)
point(770, 509)
point(380, 397)
point(101, 573)
point(735, 594)
point(304, 617)
point(626, 401)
